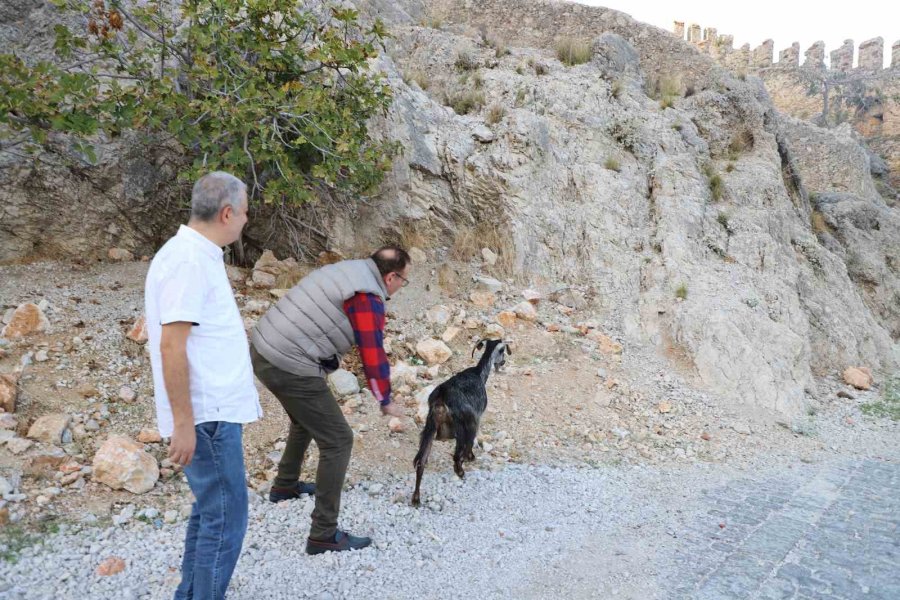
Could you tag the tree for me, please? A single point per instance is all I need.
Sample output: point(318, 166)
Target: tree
point(277, 91)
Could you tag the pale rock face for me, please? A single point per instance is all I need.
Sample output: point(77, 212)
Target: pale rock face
point(433, 352)
point(27, 319)
point(770, 302)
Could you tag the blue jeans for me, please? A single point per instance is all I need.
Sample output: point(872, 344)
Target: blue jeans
point(218, 521)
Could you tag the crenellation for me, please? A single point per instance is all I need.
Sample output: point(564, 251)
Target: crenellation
point(815, 56)
point(842, 58)
point(790, 57)
point(694, 34)
point(721, 47)
point(762, 56)
point(871, 54)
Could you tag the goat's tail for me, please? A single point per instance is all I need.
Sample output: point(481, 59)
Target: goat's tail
point(425, 440)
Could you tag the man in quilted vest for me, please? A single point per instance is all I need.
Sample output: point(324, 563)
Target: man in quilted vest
point(296, 344)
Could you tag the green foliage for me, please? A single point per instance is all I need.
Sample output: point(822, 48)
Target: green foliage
point(571, 51)
point(889, 405)
point(464, 101)
point(495, 114)
point(612, 164)
point(265, 89)
point(681, 292)
point(716, 185)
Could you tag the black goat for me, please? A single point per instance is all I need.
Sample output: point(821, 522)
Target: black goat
point(455, 408)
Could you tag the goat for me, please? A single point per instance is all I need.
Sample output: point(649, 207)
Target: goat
point(455, 408)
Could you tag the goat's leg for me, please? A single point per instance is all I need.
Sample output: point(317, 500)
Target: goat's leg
point(425, 440)
point(466, 428)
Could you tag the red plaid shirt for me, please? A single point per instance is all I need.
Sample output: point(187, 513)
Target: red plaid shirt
point(366, 314)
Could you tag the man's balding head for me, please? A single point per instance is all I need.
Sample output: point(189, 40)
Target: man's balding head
point(391, 259)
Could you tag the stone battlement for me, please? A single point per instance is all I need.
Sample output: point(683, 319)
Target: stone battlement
point(721, 47)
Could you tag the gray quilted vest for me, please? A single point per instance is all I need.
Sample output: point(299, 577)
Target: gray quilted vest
point(308, 325)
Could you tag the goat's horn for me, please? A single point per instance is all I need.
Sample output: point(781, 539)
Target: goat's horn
point(478, 346)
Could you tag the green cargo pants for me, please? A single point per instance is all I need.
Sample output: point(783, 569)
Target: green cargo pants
point(314, 414)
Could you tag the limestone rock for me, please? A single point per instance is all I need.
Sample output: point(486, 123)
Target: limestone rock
point(490, 258)
point(110, 566)
point(9, 391)
point(261, 279)
point(450, 334)
point(396, 425)
point(433, 351)
point(344, 383)
point(149, 435)
point(605, 343)
point(403, 374)
point(49, 428)
point(488, 284)
point(138, 331)
point(439, 315)
point(417, 256)
point(859, 377)
point(120, 255)
point(422, 403)
point(121, 463)
point(507, 318)
point(525, 311)
point(28, 318)
point(482, 298)
point(18, 445)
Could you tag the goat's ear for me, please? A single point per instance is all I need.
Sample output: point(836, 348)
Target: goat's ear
point(478, 346)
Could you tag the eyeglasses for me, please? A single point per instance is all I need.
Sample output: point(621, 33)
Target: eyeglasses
point(405, 280)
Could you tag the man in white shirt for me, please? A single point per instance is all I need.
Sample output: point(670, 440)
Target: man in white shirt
point(203, 379)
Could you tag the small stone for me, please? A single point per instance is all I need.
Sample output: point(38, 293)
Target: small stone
point(846, 395)
point(261, 279)
point(256, 306)
point(149, 435)
point(490, 258)
point(664, 407)
point(605, 343)
point(488, 284)
point(396, 425)
point(742, 428)
point(88, 391)
point(126, 394)
point(9, 391)
point(705, 436)
point(138, 331)
point(235, 274)
point(439, 315)
point(91, 425)
point(403, 374)
point(375, 489)
point(417, 256)
point(18, 445)
point(8, 421)
point(120, 255)
point(5, 487)
point(278, 293)
point(170, 516)
point(494, 331)
point(532, 296)
point(433, 351)
point(859, 377)
point(111, 566)
point(507, 318)
point(41, 356)
point(422, 403)
point(526, 311)
point(450, 334)
point(483, 134)
point(49, 428)
point(344, 383)
point(28, 318)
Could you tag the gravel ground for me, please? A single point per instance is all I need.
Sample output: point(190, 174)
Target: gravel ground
point(527, 531)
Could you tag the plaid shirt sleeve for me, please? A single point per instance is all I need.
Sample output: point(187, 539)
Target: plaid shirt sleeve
point(366, 314)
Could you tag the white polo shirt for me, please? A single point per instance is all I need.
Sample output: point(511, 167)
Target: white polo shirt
point(187, 282)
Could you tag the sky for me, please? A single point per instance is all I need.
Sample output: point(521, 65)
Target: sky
point(786, 22)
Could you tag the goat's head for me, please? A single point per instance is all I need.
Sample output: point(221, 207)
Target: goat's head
point(495, 350)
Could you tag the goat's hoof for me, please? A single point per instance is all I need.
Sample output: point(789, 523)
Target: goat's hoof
point(415, 502)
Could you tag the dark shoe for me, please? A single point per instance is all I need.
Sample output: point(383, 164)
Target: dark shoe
point(278, 494)
point(341, 541)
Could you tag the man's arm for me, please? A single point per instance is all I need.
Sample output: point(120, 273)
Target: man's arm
point(366, 314)
point(173, 347)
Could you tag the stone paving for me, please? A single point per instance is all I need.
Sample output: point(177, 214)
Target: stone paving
point(834, 535)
